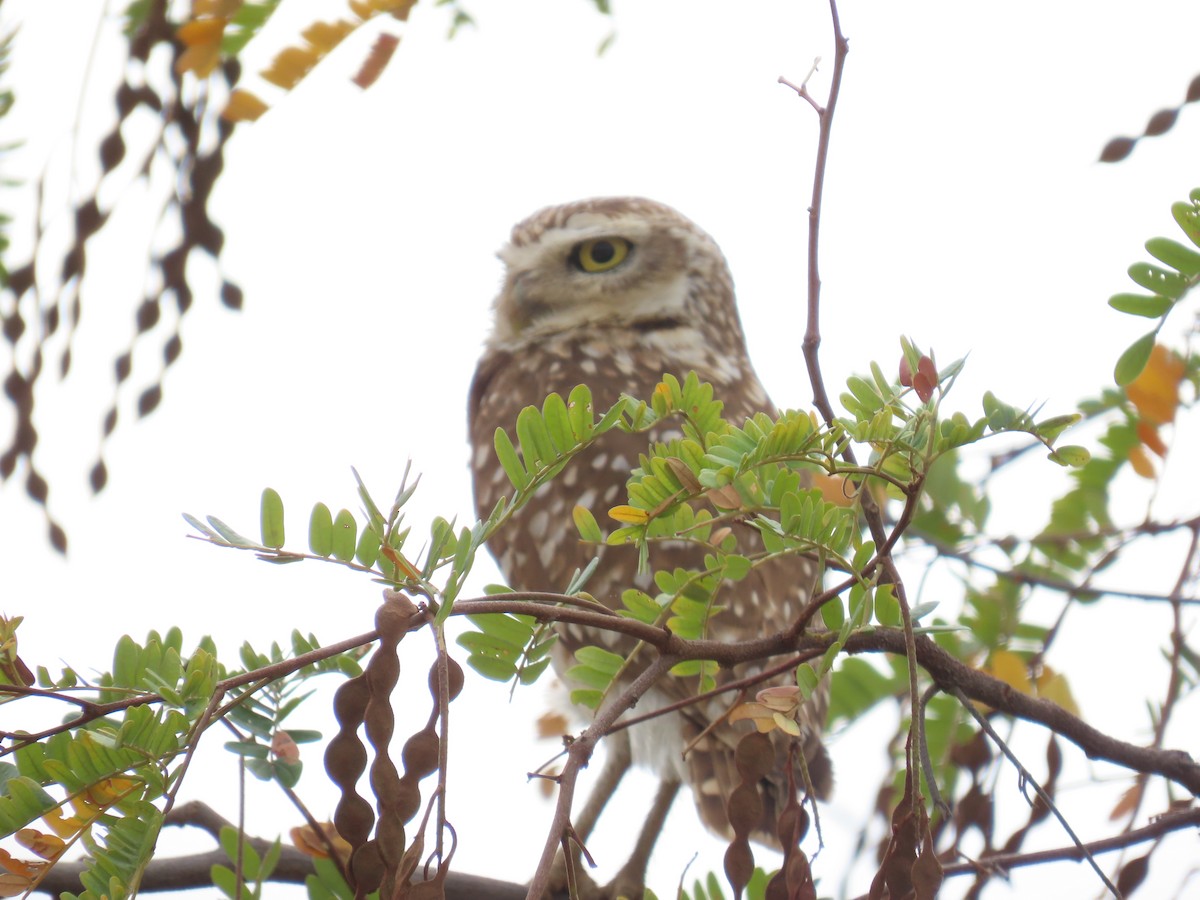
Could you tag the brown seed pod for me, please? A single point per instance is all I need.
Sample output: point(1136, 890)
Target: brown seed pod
point(420, 754)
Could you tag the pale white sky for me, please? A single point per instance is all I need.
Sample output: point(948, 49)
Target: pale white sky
point(964, 208)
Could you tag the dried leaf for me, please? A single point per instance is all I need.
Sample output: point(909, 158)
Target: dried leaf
point(381, 53)
point(1155, 392)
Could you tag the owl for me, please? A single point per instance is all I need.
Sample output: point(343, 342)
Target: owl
point(613, 293)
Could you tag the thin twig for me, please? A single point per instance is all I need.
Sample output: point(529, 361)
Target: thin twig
point(1160, 827)
point(577, 757)
point(1028, 778)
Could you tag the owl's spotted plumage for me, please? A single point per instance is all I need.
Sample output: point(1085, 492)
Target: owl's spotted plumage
point(612, 293)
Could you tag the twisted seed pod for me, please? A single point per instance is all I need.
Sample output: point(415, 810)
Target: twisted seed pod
point(345, 761)
point(754, 758)
point(393, 620)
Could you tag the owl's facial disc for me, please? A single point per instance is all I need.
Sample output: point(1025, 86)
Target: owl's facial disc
point(593, 271)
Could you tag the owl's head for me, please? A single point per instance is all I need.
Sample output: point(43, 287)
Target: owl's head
point(622, 262)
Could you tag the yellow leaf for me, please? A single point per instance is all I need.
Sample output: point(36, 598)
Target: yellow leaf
point(834, 489)
point(398, 8)
point(68, 826)
point(109, 791)
point(1155, 392)
point(202, 38)
point(1150, 437)
point(201, 31)
point(629, 515)
point(787, 725)
point(47, 846)
point(243, 106)
point(1011, 669)
point(763, 718)
point(1053, 686)
point(1140, 462)
point(324, 36)
point(222, 8)
point(309, 842)
point(290, 65)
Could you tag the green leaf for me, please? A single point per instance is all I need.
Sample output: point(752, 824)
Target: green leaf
point(586, 525)
point(367, 551)
point(600, 659)
point(345, 535)
point(229, 534)
point(640, 605)
point(287, 773)
point(529, 674)
point(225, 880)
point(590, 699)
point(580, 412)
point(320, 530)
point(491, 668)
point(272, 518)
point(832, 614)
point(1187, 216)
point(887, 607)
point(536, 446)
point(506, 453)
point(1140, 305)
point(252, 749)
point(202, 528)
point(1159, 280)
point(736, 567)
point(1071, 455)
point(1176, 255)
point(806, 679)
point(511, 629)
point(558, 423)
point(1134, 359)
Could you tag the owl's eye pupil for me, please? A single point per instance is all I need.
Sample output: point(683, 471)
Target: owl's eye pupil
point(603, 251)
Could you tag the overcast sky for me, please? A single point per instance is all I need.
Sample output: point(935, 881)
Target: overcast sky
point(965, 208)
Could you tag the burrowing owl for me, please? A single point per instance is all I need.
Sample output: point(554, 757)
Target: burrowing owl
point(612, 293)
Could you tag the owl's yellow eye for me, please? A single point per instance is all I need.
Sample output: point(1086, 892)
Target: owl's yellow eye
point(600, 254)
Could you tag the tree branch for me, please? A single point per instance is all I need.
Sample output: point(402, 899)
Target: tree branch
point(1000, 862)
point(947, 671)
